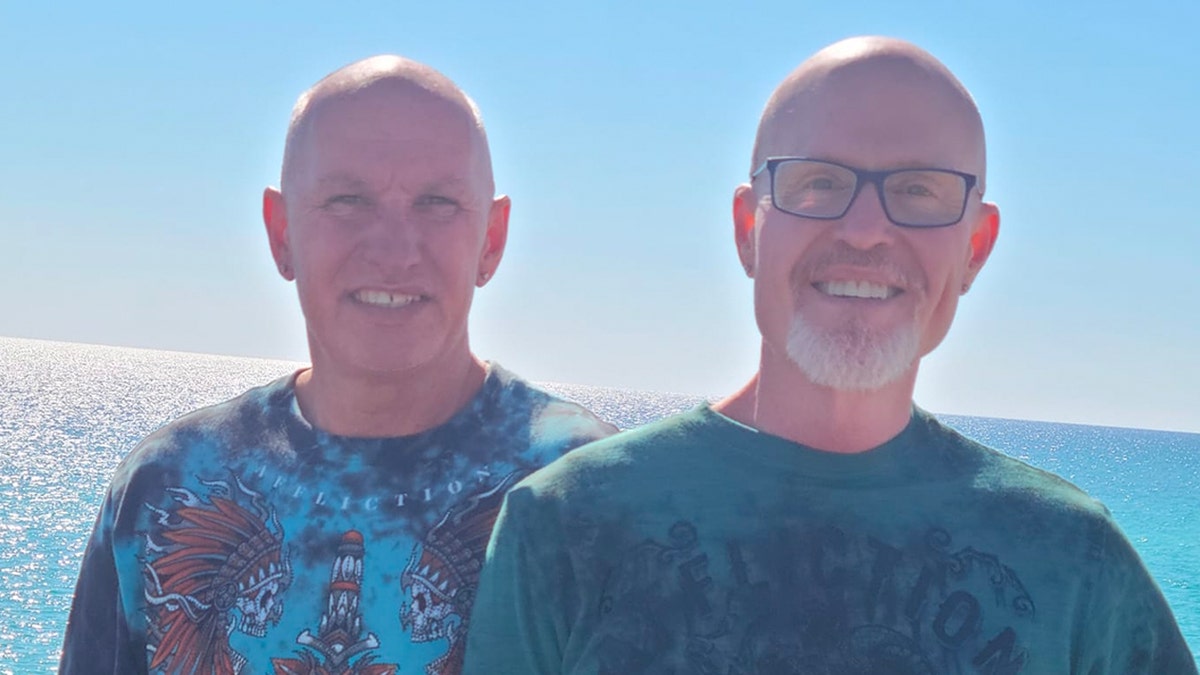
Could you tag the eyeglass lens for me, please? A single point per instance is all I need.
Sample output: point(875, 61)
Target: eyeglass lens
point(917, 197)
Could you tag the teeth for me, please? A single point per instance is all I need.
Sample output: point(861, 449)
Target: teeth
point(856, 289)
point(385, 298)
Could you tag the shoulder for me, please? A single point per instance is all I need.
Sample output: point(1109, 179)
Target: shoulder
point(552, 419)
point(607, 467)
point(1025, 491)
point(238, 422)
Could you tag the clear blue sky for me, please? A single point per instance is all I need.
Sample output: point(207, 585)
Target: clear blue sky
point(136, 138)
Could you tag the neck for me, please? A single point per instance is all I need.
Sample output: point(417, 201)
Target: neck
point(367, 404)
point(782, 401)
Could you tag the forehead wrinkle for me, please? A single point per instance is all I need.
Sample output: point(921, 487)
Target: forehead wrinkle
point(340, 179)
point(416, 82)
point(396, 120)
point(857, 69)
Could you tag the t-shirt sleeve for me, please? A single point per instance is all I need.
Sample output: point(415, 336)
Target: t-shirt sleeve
point(97, 637)
point(1129, 627)
point(519, 623)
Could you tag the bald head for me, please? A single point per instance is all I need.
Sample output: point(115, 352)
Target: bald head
point(387, 220)
point(394, 86)
point(883, 86)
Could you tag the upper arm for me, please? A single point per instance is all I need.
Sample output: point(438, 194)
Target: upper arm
point(519, 623)
point(1130, 628)
point(98, 638)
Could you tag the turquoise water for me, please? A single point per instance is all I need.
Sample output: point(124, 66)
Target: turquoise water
point(68, 413)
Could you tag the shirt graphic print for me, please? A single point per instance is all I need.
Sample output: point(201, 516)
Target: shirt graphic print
point(240, 539)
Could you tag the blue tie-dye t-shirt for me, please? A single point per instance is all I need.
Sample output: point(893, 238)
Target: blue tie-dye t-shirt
point(239, 539)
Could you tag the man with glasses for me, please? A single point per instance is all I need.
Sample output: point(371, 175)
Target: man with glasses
point(816, 521)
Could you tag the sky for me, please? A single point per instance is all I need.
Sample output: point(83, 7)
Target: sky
point(136, 138)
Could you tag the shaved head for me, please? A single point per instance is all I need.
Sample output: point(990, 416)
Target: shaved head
point(386, 218)
point(406, 83)
point(874, 72)
point(853, 299)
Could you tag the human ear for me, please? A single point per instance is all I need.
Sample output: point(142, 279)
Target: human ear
point(983, 240)
point(494, 240)
point(745, 207)
point(275, 218)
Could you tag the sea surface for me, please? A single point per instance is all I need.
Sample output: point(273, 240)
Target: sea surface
point(69, 413)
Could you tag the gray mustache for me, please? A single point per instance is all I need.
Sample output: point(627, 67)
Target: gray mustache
point(877, 259)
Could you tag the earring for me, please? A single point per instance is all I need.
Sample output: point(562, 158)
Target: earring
point(484, 277)
point(965, 288)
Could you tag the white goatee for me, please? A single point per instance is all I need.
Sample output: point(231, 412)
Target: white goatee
point(852, 357)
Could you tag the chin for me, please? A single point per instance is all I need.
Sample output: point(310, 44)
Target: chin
point(380, 357)
point(852, 357)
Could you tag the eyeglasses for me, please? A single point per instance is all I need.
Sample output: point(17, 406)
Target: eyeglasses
point(812, 188)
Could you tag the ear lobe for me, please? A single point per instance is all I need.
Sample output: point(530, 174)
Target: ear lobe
point(494, 239)
point(275, 218)
point(745, 208)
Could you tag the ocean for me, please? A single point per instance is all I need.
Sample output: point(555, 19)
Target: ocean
point(69, 413)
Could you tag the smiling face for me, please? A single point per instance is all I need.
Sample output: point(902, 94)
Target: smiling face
point(387, 222)
point(855, 302)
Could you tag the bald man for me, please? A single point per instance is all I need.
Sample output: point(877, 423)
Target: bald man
point(335, 520)
point(816, 521)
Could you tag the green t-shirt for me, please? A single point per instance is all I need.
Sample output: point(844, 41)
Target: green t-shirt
point(699, 545)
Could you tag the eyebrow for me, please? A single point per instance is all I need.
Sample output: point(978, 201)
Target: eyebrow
point(445, 182)
point(342, 181)
point(348, 181)
point(901, 165)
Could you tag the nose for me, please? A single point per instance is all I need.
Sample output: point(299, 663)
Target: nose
point(393, 240)
point(866, 224)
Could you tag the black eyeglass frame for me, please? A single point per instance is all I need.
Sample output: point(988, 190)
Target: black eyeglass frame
point(862, 177)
